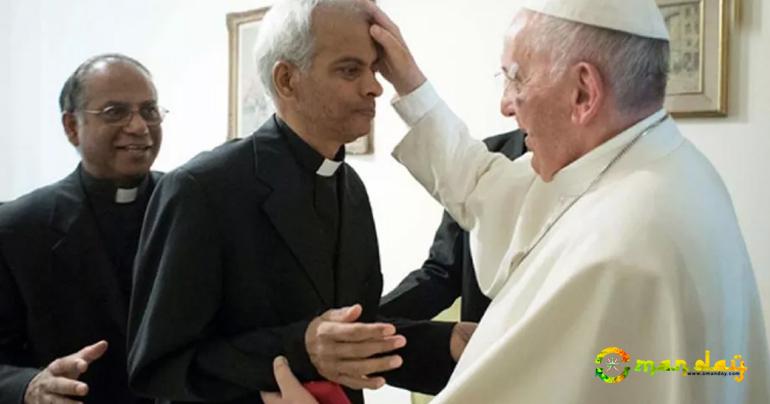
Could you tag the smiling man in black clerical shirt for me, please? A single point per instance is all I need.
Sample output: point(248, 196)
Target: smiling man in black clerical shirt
point(266, 246)
point(66, 250)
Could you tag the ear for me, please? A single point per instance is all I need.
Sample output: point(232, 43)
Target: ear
point(590, 95)
point(70, 124)
point(284, 79)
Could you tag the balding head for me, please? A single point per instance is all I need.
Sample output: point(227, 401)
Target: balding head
point(72, 94)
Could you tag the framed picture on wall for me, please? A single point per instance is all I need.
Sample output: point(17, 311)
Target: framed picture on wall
point(248, 105)
point(697, 84)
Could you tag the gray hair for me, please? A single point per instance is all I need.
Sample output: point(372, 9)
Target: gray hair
point(635, 67)
point(285, 35)
point(72, 97)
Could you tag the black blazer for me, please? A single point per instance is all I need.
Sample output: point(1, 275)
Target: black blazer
point(448, 272)
point(229, 273)
point(59, 291)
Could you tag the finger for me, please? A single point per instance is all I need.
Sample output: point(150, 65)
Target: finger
point(270, 398)
point(94, 351)
point(366, 349)
point(357, 383)
point(66, 387)
point(365, 367)
point(380, 18)
point(385, 38)
point(344, 314)
point(344, 332)
point(74, 365)
point(466, 330)
point(283, 375)
point(57, 399)
point(68, 366)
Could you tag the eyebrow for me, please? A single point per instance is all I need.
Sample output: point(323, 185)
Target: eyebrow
point(352, 59)
point(142, 103)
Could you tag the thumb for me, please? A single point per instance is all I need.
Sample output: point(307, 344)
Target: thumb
point(385, 38)
point(287, 382)
point(344, 315)
point(270, 398)
point(93, 352)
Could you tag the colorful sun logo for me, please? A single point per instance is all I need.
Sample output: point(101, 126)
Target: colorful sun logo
point(611, 363)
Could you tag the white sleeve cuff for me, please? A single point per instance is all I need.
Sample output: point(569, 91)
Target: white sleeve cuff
point(413, 106)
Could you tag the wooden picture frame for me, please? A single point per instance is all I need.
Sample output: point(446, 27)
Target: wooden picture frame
point(248, 107)
point(697, 85)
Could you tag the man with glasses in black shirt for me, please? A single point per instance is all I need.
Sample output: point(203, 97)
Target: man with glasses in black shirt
point(67, 249)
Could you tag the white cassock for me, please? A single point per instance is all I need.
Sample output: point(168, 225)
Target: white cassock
point(650, 260)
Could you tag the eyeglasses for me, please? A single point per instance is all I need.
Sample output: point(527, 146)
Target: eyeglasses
point(120, 114)
point(509, 77)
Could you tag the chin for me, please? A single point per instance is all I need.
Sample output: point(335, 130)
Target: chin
point(358, 133)
point(134, 170)
point(535, 166)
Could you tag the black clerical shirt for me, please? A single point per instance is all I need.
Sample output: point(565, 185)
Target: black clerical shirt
point(323, 178)
point(118, 215)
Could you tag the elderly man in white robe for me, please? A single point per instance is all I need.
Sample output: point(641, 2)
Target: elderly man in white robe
point(612, 251)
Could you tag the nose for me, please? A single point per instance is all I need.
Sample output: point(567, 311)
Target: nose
point(507, 105)
point(372, 87)
point(137, 124)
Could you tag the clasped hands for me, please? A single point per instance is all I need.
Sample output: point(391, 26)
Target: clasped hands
point(346, 352)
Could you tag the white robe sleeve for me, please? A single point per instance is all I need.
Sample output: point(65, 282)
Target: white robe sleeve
point(459, 172)
point(440, 154)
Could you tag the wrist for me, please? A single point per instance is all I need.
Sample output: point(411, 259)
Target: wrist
point(461, 335)
point(411, 83)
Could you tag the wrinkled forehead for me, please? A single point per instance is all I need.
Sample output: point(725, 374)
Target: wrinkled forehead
point(341, 29)
point(514, 40)
point(118, 81)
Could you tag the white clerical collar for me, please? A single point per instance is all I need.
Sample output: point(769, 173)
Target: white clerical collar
point(328, 168)
point(126, 195)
